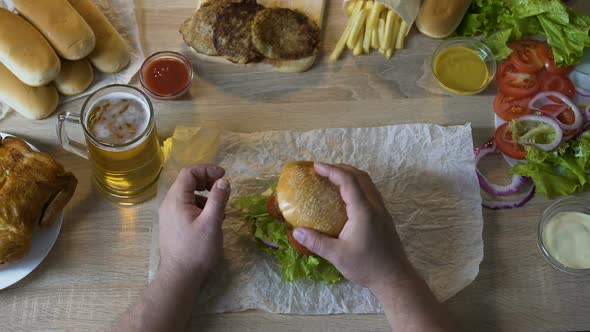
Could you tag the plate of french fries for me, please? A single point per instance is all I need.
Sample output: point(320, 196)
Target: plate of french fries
point(371, 26)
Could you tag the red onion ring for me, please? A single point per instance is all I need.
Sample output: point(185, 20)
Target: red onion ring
point(577, 77)
point(546, 120)
point(542, 99)
point(497, 204)
point(514, 187)
point(269, 244)
point(582, 92)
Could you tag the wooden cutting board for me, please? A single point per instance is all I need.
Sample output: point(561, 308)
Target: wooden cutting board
point(314, 9)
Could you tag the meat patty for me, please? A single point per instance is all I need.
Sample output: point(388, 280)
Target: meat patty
point(232, 35)
point(197, 31)
point(284, 34)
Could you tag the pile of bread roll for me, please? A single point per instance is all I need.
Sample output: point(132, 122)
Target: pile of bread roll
point(49, 47)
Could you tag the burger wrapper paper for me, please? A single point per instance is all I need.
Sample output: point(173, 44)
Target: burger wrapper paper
point(121, 14)
point(426, 174)
point(406, 9)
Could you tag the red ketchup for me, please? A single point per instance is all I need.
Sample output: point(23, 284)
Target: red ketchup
point(166, 77)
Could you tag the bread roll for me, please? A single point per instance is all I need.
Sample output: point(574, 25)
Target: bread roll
point(31, 102)
point(111, 53)
point(75, 77)
point(68, 33)
point(25, 52)
point(307, 199)
point(440, 18)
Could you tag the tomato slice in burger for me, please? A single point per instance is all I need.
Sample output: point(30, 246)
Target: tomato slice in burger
point(525, 56)
point(504, 142)
point(273, 207)
point(546, 55)
point(515, 83)
point(558, 83)
point(509, 108)
point(296, 245)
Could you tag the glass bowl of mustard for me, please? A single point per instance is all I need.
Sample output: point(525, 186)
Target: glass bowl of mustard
point(463, 66)
point(564, 235)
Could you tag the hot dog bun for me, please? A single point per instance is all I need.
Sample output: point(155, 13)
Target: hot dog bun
point(68, 33)
point(31, 102)
point(440, 18)
point(111, 53)
point(75, 77)
point(309, 200)
point(25, 51)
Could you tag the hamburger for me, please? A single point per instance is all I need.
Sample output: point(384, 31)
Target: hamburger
point(301, 198)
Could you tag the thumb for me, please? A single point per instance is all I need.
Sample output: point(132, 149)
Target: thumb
point(317, 243)
point(214, 210)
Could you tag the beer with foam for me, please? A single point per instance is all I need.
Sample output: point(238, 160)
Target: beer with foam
point(122, 143)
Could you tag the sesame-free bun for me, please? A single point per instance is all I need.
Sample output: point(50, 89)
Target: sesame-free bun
point(68, 33)
point(25, 52)
point(309, 200)
point(31, 102)
point(75, 77)
point(111, 54)
point(440, 18)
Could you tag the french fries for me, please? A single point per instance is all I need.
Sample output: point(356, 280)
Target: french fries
point(371, 26)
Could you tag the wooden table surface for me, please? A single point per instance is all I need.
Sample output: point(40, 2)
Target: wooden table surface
point(100, 261)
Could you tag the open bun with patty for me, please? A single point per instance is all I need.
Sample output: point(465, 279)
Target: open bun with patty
point(301, 198)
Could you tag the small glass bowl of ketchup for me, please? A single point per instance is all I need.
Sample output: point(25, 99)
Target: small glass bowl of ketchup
point(166, 75)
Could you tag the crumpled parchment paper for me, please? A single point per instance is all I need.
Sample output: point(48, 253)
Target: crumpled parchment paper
point(406, 9)
point(425, 172)
point(121, 13)
point(4, 110)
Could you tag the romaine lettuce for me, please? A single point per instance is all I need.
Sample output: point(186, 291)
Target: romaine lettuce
point(293, 265)
point(566, 31)
point(563, 171)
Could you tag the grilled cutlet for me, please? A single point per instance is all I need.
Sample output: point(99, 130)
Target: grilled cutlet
point(197, 31)
point(284, 34)
point(232, 35)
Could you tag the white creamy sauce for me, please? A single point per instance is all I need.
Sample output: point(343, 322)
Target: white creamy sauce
point(567, 239)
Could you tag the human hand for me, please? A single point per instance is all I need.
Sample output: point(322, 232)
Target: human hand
point(190, 225)
point(368, 250)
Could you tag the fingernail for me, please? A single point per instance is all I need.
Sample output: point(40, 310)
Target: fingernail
point(320, 166)
point(299, 235)
point(222, 184)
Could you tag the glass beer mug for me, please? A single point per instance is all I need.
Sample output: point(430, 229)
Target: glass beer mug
point(121, 142)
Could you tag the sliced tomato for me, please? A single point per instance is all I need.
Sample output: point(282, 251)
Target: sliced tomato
point(504, 142)
point(514, 83)
point(508, 108)
point(525, 56)
point(273, 207)
point(546, 54)
point(558, 83)
point(296, 245)
point(566, 115)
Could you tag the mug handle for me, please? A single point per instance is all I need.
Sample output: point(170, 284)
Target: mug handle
point(70, 145)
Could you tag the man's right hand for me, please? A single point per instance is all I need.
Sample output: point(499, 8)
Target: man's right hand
point(368, 250)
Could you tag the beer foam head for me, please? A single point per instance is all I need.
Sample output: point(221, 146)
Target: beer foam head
point(118, 118)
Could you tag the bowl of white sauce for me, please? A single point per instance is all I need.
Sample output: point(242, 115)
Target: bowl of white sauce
point(564, 235)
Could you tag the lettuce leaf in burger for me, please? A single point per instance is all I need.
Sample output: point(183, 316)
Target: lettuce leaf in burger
point(301, 198)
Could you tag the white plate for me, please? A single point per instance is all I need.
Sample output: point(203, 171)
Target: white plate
point(43, 240)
